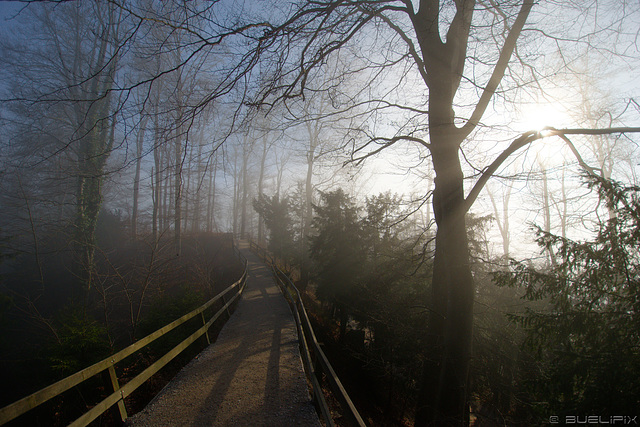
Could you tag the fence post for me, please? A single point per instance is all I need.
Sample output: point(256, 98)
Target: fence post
point(204, 323)
point(224, 302)
point(116, 386)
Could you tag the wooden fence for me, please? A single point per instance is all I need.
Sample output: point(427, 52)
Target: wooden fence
point(315, 361)
point(26, 404)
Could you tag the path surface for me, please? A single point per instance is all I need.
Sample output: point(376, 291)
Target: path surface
point(251, 376)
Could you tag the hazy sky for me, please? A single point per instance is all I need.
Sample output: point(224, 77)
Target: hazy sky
point(8, 9)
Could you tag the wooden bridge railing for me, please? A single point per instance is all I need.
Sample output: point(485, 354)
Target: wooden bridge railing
point(315, 361)
point(26, 404)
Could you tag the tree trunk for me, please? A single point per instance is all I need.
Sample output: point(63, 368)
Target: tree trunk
point(177, 220)
point(263, 161)
point(136, 179)
point(211, 197)
point(93, 151)
point(245, 191)
point(547, 211)
point(166, 197)
point(236, 195)
point(156, 203)
point(156, 188)
point(308, 216)
point(195, 217)
point(443, 397)
point(186, 189)
point(502, 220)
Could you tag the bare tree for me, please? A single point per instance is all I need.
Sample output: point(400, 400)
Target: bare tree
point(75, 70)
point(502, 217)
point(136, 179)
point(426, 73)
point(453, 50)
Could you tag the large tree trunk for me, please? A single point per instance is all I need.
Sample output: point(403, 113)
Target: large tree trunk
point(91, 162)
point(93, 151)
point(443, 397)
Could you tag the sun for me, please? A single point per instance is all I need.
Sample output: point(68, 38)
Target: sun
point(536, 117)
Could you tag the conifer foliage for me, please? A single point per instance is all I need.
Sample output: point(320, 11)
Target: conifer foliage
point(585, 328)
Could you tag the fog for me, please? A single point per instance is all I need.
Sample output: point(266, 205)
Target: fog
point(457, 181)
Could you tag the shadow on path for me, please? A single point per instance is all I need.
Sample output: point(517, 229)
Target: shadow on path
point(252, 374)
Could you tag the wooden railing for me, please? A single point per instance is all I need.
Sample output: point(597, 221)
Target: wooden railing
point(315, 361)
point(26, 404)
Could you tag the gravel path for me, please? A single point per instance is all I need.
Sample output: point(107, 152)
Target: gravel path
point(251, 376)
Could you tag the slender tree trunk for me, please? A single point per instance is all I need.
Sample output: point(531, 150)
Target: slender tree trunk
point(154, 209)
point(547, 212)
point(186, 191)
point(136, 179)
point(263, 161)
point(307, 216)
point(211, 197)
point(245, 191)
point(195, 217)
point(208, 227)
point(236, 195)
point(177, 224)
point(565, 208)
point(279, 173)
point(502, 220)
point(156, 175)
point(166, 196)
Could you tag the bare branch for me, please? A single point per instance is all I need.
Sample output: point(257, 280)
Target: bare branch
point(499, 70)
point(531, 136)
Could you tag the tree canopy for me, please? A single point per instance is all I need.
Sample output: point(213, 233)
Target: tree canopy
point(186, 83)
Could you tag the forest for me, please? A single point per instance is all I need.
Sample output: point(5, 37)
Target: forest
point(453, 186)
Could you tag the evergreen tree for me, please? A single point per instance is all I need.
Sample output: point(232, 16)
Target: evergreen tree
point(337, 249)
point(276, 213)
point(586, 336)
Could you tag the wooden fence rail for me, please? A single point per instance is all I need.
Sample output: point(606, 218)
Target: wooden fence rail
point(315, 361)
point(26, 404)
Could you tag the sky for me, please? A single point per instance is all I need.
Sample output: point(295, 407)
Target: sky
point(8, 9)
point(383, 174)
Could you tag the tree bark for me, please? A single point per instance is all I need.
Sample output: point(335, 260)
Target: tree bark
point(263, 161)
point(157, 183)
point(443, 395)
point(211, 197)
point(244, 191)
point(502, 220)
point(136, 179)
point(177, 220)
point(443, 399)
